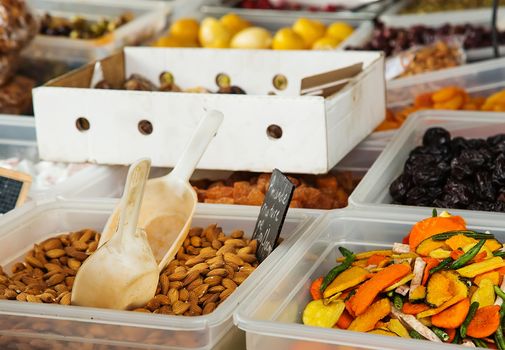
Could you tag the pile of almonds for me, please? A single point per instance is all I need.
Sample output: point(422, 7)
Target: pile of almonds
point(206, 271)
point(49, 269)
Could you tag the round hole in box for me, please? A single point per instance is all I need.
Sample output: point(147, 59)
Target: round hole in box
point(82, 124)
point(274, 131)
point(145, 127)
point(223, 80)
point(280, 82)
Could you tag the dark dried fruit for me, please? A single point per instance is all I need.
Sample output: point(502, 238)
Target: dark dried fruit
point(458, 173)
point(435, 137)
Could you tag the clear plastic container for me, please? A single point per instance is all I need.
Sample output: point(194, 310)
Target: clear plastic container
point(393, 17)
point(358, 161)
point(18, 140)
point(285, 17)
point(272, 318)
point(150, 17)
point(374, 188)
point(113, 329)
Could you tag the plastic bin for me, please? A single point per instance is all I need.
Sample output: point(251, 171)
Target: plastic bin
point(285, 17)
point(272, 318)
point(392, 16)
point(374, 188)
point(22, 228)
point(358, 161)
point(150, 17)
point(18, 139)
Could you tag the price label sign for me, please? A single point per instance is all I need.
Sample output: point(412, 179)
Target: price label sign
point(272, 214)
point(14, 188)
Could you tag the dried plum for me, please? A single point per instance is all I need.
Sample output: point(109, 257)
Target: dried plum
point(400, 187)
point(454, 173)
point(435, 137)
point(499, 170)
point(484, 187)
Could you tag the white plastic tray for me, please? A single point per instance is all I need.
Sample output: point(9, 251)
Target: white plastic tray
point(374, 188)
point(272, 316)
point(150, 18)
point(33, 223)
point(18, 139)
point(477, 15)
point(479, 79)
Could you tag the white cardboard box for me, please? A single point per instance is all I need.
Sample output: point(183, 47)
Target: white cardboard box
point(316, 132)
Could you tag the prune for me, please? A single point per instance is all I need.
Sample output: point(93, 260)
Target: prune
point(461, 194)
point(494, 140)
point(458, 144)
point(420, 196)
point(484, 187)
point(428, 175)
point(435, 137)
point(400, 187)
point(499, 170)
point(459, 169)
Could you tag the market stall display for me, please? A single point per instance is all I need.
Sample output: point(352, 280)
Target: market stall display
point(232, 31)
point(59, 223)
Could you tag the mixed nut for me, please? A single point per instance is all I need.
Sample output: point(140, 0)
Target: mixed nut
point(80, 28)
point(328, 191)
point(206, 271)
point(431, 58)
point(443, 283)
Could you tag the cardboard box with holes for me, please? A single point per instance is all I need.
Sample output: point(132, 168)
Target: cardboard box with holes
point(281, 109)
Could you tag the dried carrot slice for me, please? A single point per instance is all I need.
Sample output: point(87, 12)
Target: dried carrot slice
point(414, 309)
point(452, 317)
point(485, 322)
point(432, 226)
point(367, 292)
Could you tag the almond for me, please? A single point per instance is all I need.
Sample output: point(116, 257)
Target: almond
point(55, 253)
point(50, 244)
point(217, 272)
point(207, 309)
point(180, 307)
point(173, 295)
point(233, 258)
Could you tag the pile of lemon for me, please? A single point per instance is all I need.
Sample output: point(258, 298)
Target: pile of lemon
point(232, 31)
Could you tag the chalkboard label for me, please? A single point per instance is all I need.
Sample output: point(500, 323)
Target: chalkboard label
point(14, 188)
point(272, 214)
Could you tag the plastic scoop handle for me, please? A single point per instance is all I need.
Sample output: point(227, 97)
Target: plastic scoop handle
point(205, 132)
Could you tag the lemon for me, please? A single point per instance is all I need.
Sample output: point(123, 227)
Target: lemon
point(168, 41)
point(326, 43)
point(339, 30)
point(252, 38)
point(213, 34)
point(309, 30)
point(185, 29)
point(287, 39)
point(234, 23)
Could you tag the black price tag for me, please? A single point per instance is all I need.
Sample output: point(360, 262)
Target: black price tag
point(14, 188)
point(272, 214)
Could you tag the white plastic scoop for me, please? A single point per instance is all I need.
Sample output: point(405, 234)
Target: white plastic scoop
point(170, 201)
point(123, 273)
